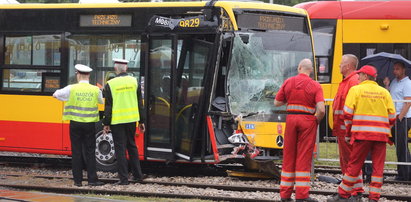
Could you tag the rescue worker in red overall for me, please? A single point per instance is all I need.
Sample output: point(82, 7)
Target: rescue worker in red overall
point(368, 115)
point(348, 66)
point(305, 108)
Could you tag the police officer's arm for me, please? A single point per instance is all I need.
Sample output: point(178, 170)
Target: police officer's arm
point(100, 97)
point(108, 105)
point(140, 105)
point(62, 94)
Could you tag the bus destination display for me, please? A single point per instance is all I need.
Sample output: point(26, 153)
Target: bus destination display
point(105, 20)
point(270, 22)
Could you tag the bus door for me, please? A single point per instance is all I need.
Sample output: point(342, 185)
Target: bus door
point(176, 72)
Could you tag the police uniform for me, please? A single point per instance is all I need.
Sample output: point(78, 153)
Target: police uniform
point(122, 110)
point(301, 94)
point(81, 109)
point(368, 115)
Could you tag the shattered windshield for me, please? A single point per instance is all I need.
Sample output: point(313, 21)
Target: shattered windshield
point(260, 63)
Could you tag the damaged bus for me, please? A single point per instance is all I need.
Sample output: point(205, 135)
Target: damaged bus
point(209, 73)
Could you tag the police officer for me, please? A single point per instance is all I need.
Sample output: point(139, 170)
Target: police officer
point(123, 105)
point(82, 111)
point(368, 115)
point(305, 109)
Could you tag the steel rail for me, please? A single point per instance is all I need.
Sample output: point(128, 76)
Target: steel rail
point(219, 187)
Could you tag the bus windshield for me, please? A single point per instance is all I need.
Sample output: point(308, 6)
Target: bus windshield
point(260, 63)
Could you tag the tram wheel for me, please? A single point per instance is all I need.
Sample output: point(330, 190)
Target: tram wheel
point(105, 154)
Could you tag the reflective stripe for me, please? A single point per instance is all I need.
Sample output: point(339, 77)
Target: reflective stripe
point(81, 108)
point(350, 179)
point(375, 190)
point(358, 185)
point(391, 116)
point(302, 174)
point(80, 115)
point(338, 112)
point(370, 129)
point(302, 184)
point(370, 118)
point(287, 174)
point(287, 184)
point(343, 127)
point(345, 187)
point(300, 108)
point(347, 122)
point(348, 110)
point(376, 179)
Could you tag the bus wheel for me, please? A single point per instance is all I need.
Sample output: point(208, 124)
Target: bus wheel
point(105, 155)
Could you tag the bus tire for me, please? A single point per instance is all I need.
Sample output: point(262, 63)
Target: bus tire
point(105, 154)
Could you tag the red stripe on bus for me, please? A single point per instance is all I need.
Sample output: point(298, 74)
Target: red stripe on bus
point(213, 140)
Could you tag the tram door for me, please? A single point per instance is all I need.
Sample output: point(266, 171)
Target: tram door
point(175, 83)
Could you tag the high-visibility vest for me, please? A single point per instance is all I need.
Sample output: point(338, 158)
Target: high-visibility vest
point(369, 112)
point(125, 104)
point(82, 103)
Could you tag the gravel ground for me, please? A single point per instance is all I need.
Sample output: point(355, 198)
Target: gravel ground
point(391, 189)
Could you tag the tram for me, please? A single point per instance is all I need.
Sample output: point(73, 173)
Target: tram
point(209, 73)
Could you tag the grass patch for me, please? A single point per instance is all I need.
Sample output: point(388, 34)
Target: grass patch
point(329, 150)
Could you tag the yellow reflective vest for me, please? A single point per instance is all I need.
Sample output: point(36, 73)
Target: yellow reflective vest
point(82, 103)
point(369, 112)
point(125, 104)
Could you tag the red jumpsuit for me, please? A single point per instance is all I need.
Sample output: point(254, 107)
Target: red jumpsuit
point(301, 94)
point(339, 129)
point(368, 112)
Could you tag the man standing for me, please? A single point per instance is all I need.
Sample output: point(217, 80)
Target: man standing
point(400, 89)
point(368, 115)
point(305, 108)
point(82, 111)
point(348, 66)
point(122, 110)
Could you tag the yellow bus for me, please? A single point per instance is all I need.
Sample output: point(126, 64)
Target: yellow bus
point(361, 28)
point(208, 70)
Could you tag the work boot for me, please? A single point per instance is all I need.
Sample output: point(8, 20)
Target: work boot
point(337, 198)
point(356, 198)
point(372, 200)
point(287, 200)
point(309, 199)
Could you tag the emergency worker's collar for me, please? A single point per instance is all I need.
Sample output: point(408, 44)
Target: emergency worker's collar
point(83, 81)
point(302, 74)
point(122, 74)
point(368, 82)
point(350, 75)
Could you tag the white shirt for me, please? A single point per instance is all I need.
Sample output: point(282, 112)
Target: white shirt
point(400, 89)
point(64, 93)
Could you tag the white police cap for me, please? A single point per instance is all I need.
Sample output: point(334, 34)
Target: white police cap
point(121, 61)
point(83, 68)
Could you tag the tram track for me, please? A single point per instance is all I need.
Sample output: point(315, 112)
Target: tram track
point(170, 184)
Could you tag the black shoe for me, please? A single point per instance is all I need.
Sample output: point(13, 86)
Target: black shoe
point(144, 176)
point(309, 199)
point(98, 183)
point(78, 184)
point(372, 200)
point(287, 200)
point(121, 183)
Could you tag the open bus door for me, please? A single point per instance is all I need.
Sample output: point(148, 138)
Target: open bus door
point(177, 66)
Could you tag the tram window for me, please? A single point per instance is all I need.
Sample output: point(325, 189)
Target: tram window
point(24, 80)
point(98, 52)
point(33, 50)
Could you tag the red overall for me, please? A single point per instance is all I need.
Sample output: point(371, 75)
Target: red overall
point(301, 94)
point(339, 129)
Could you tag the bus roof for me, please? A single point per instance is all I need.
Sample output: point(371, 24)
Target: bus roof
point(224, 4)
point(358, 9)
